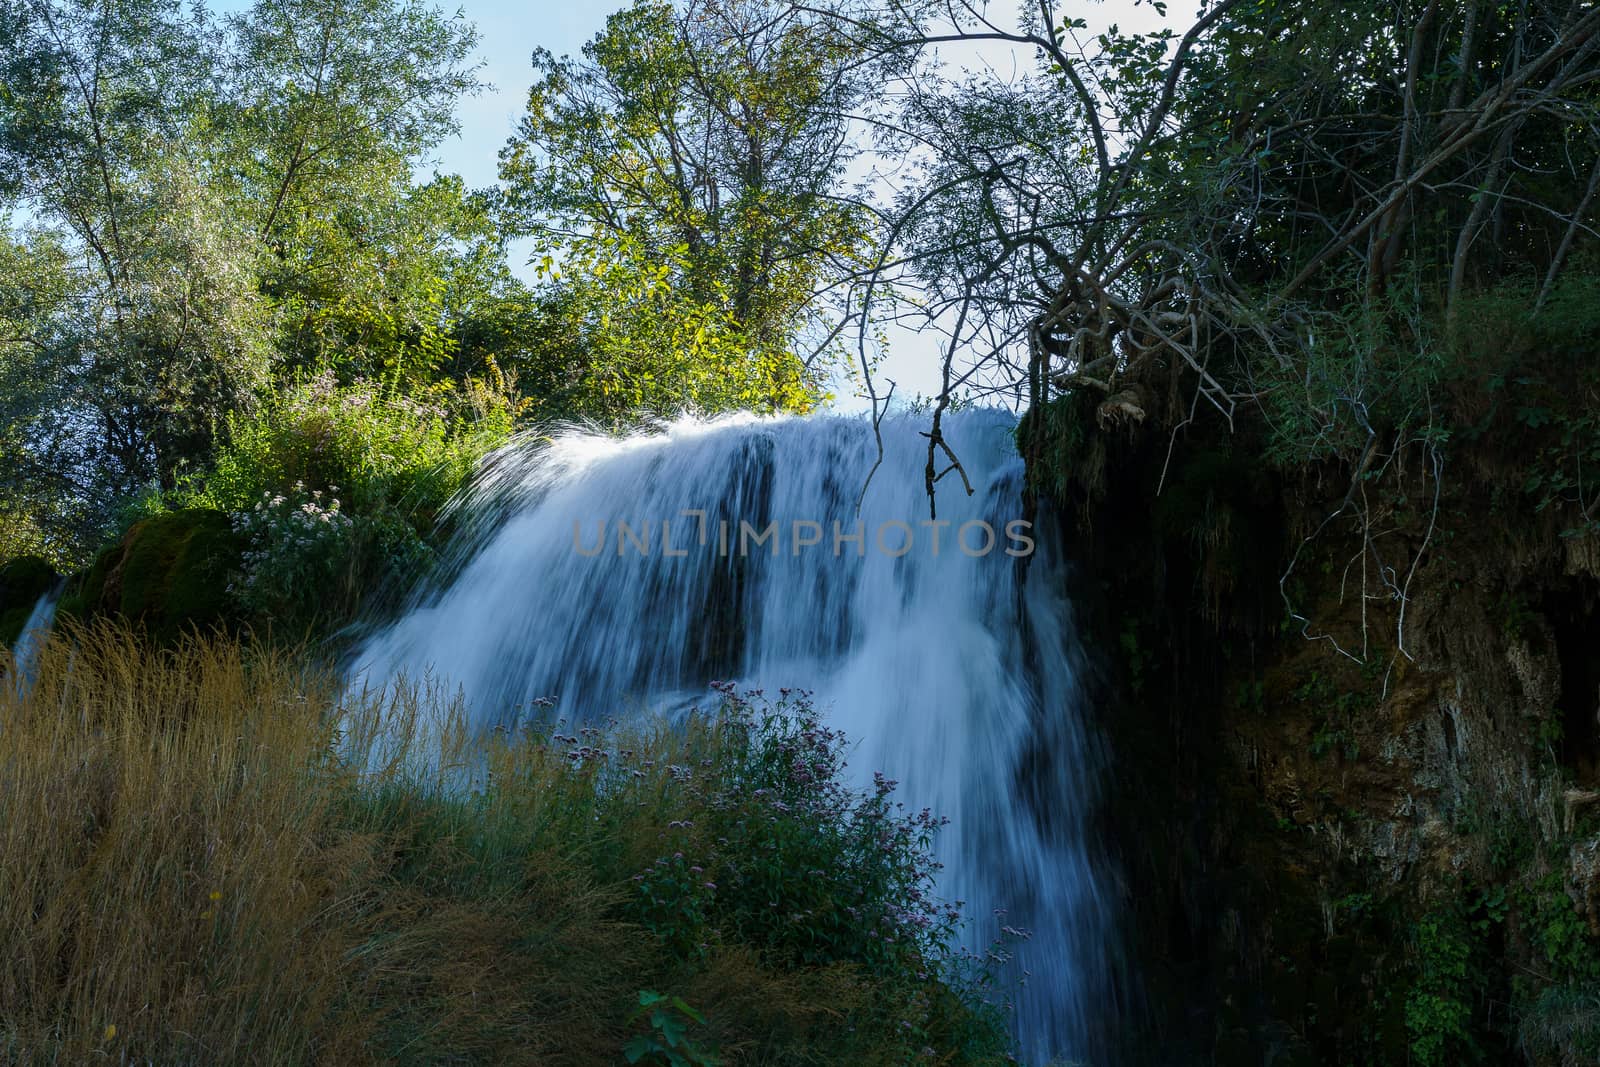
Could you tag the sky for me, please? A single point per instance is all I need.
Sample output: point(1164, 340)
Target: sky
point(508, 34)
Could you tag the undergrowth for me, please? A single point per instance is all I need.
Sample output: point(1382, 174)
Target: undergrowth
point(215, 855)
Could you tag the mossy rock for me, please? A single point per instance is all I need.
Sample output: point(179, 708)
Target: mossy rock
point(22, 582)
point(168, 574)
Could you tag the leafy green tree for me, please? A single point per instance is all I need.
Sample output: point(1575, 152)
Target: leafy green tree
point(634, 342)
point(693, 159)
point(326, 108)
point(167, 330)
point(40, 453)
point(200, 208)
point(396, 274)
point(318, 92)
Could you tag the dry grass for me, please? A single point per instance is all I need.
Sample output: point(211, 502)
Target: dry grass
point(206, 858)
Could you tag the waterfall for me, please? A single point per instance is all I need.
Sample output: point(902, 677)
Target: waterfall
point(34, 631)
point(610, 573)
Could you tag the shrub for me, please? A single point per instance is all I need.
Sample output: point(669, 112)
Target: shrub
point(385, 449)
point(299, 548)
point(1562, 1025)
point(785, 856)
point(167, 573)
point(392, 460)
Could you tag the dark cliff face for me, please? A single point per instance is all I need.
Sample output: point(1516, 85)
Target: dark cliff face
point(1356, 794)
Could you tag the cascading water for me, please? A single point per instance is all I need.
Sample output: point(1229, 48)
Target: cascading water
point(952, 670)
point(34, 631)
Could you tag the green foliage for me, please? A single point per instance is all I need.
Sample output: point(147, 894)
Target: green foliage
point(674, 904)
point(1559, 933)
point(785, 856)
point(1528, 379)
point(1372, 367)
point(390, 285)
point(1562, 1025)
point(169, 573)
point(311, 109)
point(733, 834)
point(1133, 657)
point(1178, 228)
point(1440, 1006)
point(338, 488)
point(1065, 456)
point(209, 204)
point(380, 447)
point(165, 329)
point(635, 341)
point(681, 180)
point(1338, 709)
point(667, 1041)
point(1445, 1006)
point(299, 559)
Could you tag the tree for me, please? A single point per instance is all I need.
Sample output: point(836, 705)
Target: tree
point(1280, 208)
point(699, 151)
point(92, 126)
point(210, 206)
point(325, 110)
point(39, 448)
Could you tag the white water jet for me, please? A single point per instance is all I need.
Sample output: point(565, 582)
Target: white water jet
point(955, 672)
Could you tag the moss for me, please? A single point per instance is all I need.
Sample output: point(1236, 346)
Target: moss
point(168, 573)
point(1065, 446)
point(22, 582)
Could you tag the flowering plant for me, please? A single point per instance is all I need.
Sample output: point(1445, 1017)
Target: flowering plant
point(298, 545)
point(785, 854)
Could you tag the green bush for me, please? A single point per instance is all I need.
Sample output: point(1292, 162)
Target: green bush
point(338, 490)
point(168, 573)
point(299, 555)
point(384, 449)
point(783, 855)
point(1530, 384)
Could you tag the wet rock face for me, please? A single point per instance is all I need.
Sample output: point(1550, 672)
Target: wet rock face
point(1339, 849)
point(22, 582)
point(169, 574)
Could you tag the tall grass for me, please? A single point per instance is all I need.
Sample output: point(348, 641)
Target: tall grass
point(212, 855)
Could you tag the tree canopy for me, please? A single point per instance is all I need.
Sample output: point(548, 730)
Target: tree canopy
point(1274, 214)
point(693, 162)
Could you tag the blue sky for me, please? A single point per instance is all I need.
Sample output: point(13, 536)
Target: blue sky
point(508, 34)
